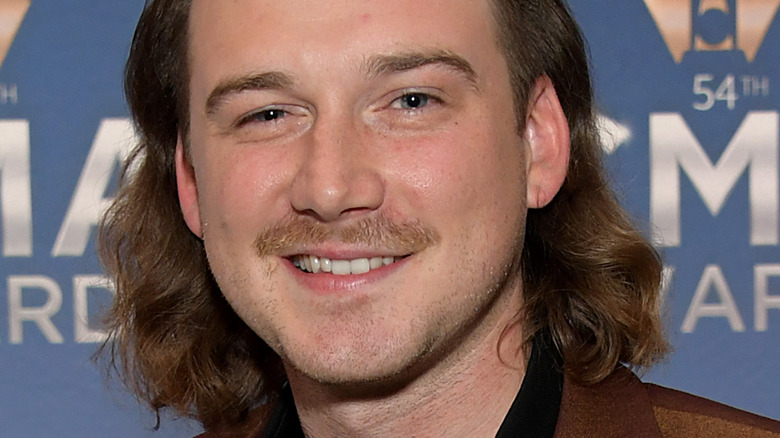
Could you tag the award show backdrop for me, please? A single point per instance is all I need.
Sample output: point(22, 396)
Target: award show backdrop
point(689, 98)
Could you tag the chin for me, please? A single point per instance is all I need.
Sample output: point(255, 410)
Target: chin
point(363, 364)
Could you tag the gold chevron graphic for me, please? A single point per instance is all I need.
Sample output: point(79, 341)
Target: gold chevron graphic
point(12, 14)
point(756, 18)
point(674, 19)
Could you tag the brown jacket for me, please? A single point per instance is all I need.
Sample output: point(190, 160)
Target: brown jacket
point(622, 406)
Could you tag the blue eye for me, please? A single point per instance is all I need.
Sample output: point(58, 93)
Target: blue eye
point(269, 115)
point(263, 116)
point(413, 100)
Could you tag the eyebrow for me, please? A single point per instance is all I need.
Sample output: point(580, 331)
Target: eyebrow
point(259, 81)
point(385, 64)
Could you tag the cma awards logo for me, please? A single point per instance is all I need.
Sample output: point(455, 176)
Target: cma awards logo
point(675, 20)
point(12, 14)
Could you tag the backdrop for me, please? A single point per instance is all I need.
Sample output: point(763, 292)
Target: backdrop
point(686, 90)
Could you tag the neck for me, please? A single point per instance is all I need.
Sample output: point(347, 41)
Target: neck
point(467, 393)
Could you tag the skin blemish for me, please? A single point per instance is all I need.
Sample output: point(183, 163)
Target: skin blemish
point(365, 18)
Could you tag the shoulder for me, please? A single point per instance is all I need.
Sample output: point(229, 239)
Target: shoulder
point(621, 405)
point(682, 414)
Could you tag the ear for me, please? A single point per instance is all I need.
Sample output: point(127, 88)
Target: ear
point(547, 136)
point(187, 188)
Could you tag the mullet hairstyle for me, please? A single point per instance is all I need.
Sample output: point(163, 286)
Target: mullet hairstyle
point(590, 279)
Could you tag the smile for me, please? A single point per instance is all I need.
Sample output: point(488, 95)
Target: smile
point(314, 264)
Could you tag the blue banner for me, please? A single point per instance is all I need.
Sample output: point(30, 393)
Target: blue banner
point(689, 98)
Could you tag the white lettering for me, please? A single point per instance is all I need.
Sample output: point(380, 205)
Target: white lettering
point(15, 191)
point(712, 278)
point(673, 146)
point(764, 301)
point(667, 276)
point(41, 316)
point(112, 142)
point(9, 94)
point(83, 334)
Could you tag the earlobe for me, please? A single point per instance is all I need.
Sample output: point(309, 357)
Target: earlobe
point(547, 137)
point(187, 188)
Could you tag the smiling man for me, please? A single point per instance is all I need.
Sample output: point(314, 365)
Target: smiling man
point(379, 218)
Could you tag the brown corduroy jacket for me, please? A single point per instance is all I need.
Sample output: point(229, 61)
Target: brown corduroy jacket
point(621, 406)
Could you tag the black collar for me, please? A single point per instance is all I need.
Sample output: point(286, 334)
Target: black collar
point(534, 412)
point(284, 422)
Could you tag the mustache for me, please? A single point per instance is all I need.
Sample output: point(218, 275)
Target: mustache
point(377, 231)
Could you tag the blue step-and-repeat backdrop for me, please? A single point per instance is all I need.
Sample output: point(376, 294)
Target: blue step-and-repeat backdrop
point(689, 97)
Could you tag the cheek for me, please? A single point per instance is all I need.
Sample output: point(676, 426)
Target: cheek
point(466, 172)
point(240, 194)
point(241, 191)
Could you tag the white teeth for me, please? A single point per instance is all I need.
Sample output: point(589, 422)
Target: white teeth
point(314, 264)
point(340, 267)
point(359, 266)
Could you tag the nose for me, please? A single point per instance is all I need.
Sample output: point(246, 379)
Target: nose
point(337, 177)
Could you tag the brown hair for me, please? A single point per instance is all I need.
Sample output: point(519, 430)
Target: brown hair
point(590, 279)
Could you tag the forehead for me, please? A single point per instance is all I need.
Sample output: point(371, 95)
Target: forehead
point(307, 34)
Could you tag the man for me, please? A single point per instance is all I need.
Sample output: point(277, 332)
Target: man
point(381, 218)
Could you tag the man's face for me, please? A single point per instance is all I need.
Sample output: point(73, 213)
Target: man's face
point(378, 137)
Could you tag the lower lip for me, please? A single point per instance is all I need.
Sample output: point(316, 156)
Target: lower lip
point(324, 283)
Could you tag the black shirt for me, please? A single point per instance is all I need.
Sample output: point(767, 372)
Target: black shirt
point(534, 412)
